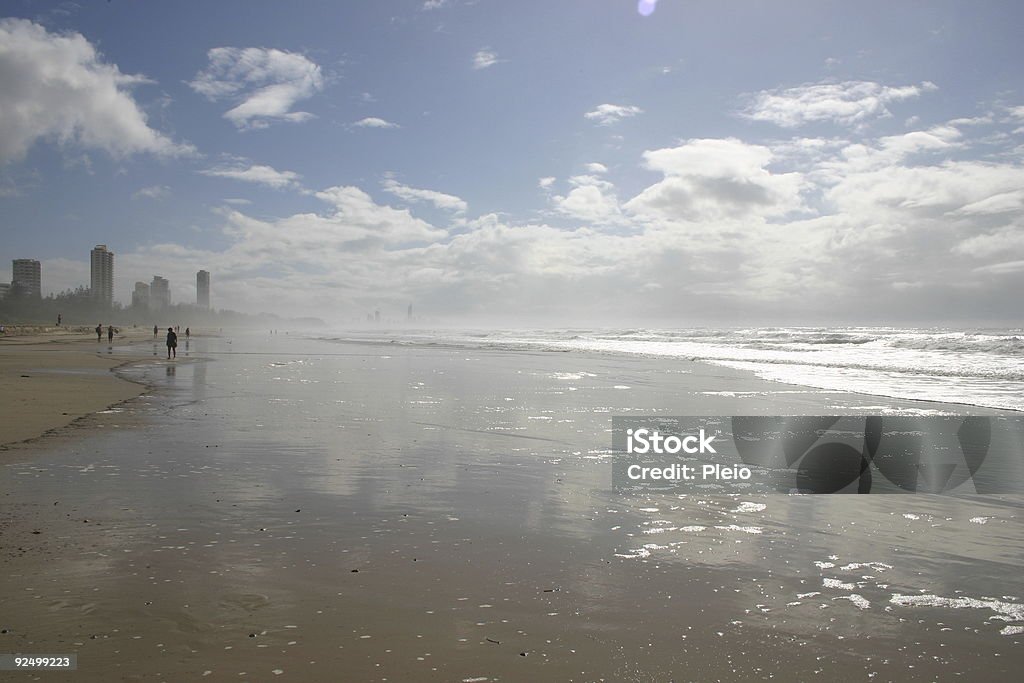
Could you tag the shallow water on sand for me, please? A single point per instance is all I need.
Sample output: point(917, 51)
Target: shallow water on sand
point(287, 509)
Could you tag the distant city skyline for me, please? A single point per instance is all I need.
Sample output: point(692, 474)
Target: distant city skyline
point(693, 163)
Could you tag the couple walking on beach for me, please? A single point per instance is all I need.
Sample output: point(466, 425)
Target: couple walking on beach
point(99, 332)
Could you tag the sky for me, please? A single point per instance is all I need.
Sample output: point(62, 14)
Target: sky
point(608, 162)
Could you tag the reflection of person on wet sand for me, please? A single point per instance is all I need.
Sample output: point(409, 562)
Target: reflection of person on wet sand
point(172, 343)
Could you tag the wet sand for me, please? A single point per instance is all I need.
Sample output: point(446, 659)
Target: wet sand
point(280, 509)
point(50, 379)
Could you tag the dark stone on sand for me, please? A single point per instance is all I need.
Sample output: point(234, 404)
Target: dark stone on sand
point(355, 571)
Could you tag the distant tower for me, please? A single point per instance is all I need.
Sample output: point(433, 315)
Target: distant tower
point(140, 295)
point(408, 314)
point(159, 294)
point(376, 316)
point(26, 277)
point(203, 289)
point(102, 274)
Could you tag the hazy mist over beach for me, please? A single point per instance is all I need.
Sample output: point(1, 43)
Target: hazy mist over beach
point(547, 163)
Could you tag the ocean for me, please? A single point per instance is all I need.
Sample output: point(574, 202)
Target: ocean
point(978, 367)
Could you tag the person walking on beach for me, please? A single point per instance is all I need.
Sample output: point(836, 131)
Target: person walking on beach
point(58, 320)
point(188, 332)
point(110, 334)
point(99, 332)
point(155, 331)
point(172, 343)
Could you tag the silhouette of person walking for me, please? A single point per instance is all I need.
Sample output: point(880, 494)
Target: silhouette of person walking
point(155, 331)
point(110, 333)
point(172, 343)
point(99, 332)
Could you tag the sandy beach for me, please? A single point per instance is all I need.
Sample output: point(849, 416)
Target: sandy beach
point(291, 509)
point(50, 377)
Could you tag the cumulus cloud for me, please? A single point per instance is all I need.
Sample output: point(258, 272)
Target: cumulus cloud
point(591, 199)
point(434, 4)
point(595, 167)
point(265, 83)
point(411, 194)
point(712, 179)
point(57, 87)
point(259, 174)
point(846, 103)
point(484, 58)
point(856, 227)
point(607, 114)
point(374, 122)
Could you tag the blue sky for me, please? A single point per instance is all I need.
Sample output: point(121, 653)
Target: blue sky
point(556, 162)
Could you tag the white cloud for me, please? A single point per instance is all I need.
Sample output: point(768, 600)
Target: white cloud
point(864, 228)
point(264, 82)
point(262, 175)
point(716, 179)
point(484, 58)
point(847, 102)
point(374, 122)
point(412, 194)
point(152, 192)
point(1008, 241)
point(57, 87)
point(434, 4)
point(607, 114)
point(591, 199)
point(595, 167)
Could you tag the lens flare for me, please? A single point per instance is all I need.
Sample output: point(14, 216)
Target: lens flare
point(646, 7)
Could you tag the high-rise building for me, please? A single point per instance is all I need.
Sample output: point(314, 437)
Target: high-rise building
point(5, 289)
point(159, 293)
point(102, 271)
point(140, 295)
point(203, 289)
point(26, 277)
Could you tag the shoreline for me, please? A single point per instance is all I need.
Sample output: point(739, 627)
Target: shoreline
point(51, 379)
point(97, 385)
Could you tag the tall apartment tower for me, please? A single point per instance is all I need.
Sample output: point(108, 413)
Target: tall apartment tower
point(140, 295)
point(203, 289)
point(159, 293)
point(102, 271)
point(26, 278)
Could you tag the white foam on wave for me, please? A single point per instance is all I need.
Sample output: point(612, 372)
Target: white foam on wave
point(744, 529)
point(1008, 611)
point(860, 601)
